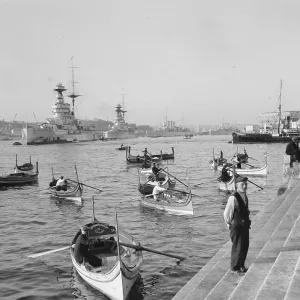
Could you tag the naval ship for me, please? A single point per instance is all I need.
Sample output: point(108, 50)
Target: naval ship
point(63, 127)
point(120, 129)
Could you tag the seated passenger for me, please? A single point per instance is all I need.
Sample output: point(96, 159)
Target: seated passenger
point(157, 190)
point(61, 184)
point(82, 249)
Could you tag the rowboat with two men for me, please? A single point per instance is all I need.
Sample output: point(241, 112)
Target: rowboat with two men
point(161, 194)
point(70, 190)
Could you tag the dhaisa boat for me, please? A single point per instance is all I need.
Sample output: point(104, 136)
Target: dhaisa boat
point(26, 168)
point(262, 171)
point(175, 201)
point(120, 129)
point(71, 191)
point(63, 127)
point(120, 263)
point(19, 178)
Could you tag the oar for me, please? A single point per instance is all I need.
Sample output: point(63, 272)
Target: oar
point(85, 185)
point(175, 178)
point(255, 184)
point(48, 252)
point(183, 192)
point(252, 158)
point(141, 248)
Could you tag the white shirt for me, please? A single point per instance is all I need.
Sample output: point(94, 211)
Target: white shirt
point(60, 182)
point(156, 191)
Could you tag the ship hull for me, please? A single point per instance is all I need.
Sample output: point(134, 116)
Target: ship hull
point(257, 138)
point(156, 134)
point(37, 136)
point(118, 135)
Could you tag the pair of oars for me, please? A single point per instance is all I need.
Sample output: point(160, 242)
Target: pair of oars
point(136, 247)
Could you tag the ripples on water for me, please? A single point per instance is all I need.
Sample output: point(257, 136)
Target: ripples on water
point(33, 222)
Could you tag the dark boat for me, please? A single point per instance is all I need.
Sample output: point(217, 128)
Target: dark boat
point(25, 167)
point(164, 156)
point(256, 138)
point(20, 178)
point(121, 148)
point(283, 133)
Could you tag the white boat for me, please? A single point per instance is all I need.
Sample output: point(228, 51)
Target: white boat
point(173, 201)
point(73, 189)
point(63, 127)
point(120, 268)
point(262, 171)
point(228, 186)
point(120, 129)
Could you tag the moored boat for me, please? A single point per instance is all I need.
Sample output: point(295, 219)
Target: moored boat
point(27, 167)
point(19, 178)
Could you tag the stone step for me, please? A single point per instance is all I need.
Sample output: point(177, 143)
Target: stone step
point(293, 292)
point(229, 282)
point(250, 285)
point(215, 281)
point(277, 282)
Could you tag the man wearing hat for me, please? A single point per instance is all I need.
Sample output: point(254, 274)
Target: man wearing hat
point(236, 216)
point(82, 251)
point(292, 150)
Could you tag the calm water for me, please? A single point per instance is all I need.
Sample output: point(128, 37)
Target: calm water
point(33, 222)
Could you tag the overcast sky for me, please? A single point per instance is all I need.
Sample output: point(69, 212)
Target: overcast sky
point(194, 62)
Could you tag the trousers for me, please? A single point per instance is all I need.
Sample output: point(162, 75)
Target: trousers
point(239, 236)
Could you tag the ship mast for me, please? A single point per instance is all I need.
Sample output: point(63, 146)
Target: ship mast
point(73, 95)
point(279, 107)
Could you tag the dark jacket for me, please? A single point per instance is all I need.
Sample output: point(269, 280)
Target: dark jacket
point(81, 249)
point(241, 214)
point(291, 148)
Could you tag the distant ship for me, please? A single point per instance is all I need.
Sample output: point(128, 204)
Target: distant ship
point(168, 129)
point(120, 129)
point(224, 129)
point(63, 127)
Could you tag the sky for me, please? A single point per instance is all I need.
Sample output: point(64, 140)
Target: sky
point(191, 61)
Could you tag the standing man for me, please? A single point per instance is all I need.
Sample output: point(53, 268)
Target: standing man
point(236, 216)
point(293, 151)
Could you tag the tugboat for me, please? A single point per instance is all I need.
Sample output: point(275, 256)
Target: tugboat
point(63, 127)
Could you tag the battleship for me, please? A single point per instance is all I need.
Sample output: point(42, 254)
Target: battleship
point(120, 129)
point(63, 127)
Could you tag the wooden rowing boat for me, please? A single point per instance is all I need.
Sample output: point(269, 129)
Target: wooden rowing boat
point(120, 264)
point(228, 186)
point(165, 182)
point(20, 178)
point(262, 171)
point(249, 171)
point(26, 168)
point(173, 201)
point(71, 192)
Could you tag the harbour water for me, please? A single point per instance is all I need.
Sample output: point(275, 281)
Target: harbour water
point(32, 222)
